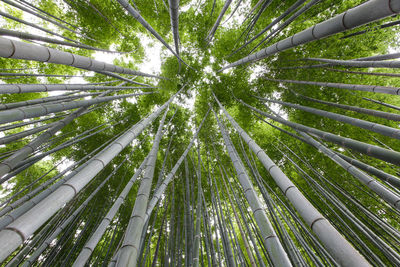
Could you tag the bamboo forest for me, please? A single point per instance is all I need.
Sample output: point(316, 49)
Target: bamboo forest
point(199, 133)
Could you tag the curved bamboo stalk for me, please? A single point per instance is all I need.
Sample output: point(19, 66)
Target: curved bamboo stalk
point(359, 63)
point(13, 137)
point(382, 103)
point(21, 50)
point(274, 247)
point(43, 100)
point(13, 3)
point(130, 246)
point(386, 25)
point(374, 127)
point(214, 28)
point(287, 22)
point(29, 36)
point(273, 23)
point(366, 73)
point(350, 19)
point(372, 112)
point(125, 4)
point(16, 232)
point(393, 180)
point(357, 87)
point(17, 125)
point(370, 150)
point(44, 109)
point(35, 88)
point(174, 14)
point(36, 26)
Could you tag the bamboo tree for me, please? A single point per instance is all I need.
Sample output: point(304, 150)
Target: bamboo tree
point(371, 58)
point(60, 228)
point(275, 249)
point(44, 109)
point(29, 36)
point(216, 201)
point(358, 63)
point(87, 134)
point(26, 224)
point(44, 100)
point(374, 127)
point(353, 219)
point(104, 17)
point(33, 25)
point(196, 246)
point(188, 217)
point(370, 150)
point(366, 73)
point(372, 112)
point(334, 242)
point(241, 230)
point(273, 23)
point(350, 19)
point(23, 204)
point(48, 14)
point(383, 26)
point(10, 163)
point(214, 28)
point(254, 20)
point(29, 122)
point(174, 14)
point(383, 192)
point(134, 13)
point(381, 103)
point(89, 246)
point(288, 21)
point(130, 247)
point(160, 190)
point(357, 87)
point(250, 233)
point(20, 50)
point(159, 237)
point(21, 7)
point(391, 179)
point(13, 137)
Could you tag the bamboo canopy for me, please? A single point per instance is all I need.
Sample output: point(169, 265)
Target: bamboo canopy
point(264, 148)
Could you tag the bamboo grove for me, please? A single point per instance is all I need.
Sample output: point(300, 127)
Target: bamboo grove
point(199, 133)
